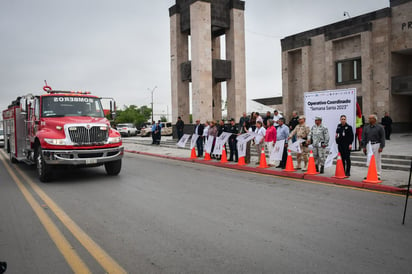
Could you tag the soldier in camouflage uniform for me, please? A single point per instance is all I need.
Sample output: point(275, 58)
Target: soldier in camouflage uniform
point(301, 131)
point(319, 138)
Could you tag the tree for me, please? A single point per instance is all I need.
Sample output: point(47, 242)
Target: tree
point(163, 118)
point(133, 114)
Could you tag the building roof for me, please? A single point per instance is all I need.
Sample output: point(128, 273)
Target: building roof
point(270, 101)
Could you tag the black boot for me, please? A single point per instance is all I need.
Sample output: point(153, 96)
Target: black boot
point(347, 170)
point(322, 169)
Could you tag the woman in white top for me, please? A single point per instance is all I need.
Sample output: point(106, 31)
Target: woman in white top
point(260, 139)
point(206, 131)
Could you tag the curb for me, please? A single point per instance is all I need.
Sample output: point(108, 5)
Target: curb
point(330, 180)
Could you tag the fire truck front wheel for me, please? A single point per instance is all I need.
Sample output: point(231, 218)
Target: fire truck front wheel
point(43, 169)
point(113, 168)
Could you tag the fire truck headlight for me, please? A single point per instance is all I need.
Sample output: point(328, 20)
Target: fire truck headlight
point(115, 140)
point(56, 142)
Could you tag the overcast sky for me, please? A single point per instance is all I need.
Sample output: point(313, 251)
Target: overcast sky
point(121, 48)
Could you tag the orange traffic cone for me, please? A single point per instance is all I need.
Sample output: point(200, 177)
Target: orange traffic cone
point(241, 161)
point(207, 157)
point(289, 163)
point(340, 171)
point(193, 154)
point(263, 163)
point(224, 156)
point(311, 166)
point(372, 177)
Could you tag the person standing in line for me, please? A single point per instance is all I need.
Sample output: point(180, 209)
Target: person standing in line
point(199, 143)
point(243, 119)
point(360, 121)
point(374, 133)
point(220, 129)
point(266, 119)
point(319, 138)
point(205, 132)
point(270, 138)
point(293, 123)
point(276, 118)
point(344, 139)
point(301, 132)
point(282, 135)
point(252, 121)
point(245, 128)
point(153, 132)
point(259, 118)
point(261, 131)
point(387, 125)
point(158, 132)
point(213, 134)
point(180, 125)
point(232, 128)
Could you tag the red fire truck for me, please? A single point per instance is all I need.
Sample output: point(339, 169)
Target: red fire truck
point(61, 128)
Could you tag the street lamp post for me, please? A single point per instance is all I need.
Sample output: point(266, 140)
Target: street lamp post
point(152, 91)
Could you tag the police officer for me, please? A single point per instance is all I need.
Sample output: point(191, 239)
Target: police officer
point(232, 128)
point(344, 139)
point(319, 138)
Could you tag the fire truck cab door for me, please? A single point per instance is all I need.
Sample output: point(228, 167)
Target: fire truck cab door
point(34, 118)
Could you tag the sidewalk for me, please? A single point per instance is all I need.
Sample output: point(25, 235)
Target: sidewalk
point(400, 145)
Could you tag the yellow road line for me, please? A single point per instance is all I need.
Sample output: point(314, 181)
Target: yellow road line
point(101, 256)
point(71, 256)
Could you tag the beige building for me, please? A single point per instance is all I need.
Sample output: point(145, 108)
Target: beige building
point(370, 52)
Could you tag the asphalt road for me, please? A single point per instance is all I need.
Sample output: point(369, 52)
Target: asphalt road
point(164, 216)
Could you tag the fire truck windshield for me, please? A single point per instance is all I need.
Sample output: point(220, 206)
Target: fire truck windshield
point(61, 106)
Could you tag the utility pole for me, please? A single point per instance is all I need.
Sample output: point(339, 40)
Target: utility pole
point(152, 91)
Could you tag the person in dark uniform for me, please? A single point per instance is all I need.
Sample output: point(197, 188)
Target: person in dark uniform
point(180, 125)
point(344, 139)
point(387, 125)
point(199, 143)
point(221, 127)
point(293, 123)
point(232, 128)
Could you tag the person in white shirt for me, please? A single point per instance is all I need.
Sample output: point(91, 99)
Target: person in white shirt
point(258, 117)
point(276, 118)
point(260, 139)
point(206, 132)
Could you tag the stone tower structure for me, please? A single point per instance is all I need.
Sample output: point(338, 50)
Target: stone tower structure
point(204, 22)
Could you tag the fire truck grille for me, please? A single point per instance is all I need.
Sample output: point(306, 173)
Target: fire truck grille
point(84, 136)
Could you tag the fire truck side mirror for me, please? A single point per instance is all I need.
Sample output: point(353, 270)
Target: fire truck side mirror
point(23, 105)
point(113, 115)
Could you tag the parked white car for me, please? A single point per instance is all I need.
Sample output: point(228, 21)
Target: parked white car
point(127, 129)
point(1, 138)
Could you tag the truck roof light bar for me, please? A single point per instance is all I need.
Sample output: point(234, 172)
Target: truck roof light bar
point(49, 90)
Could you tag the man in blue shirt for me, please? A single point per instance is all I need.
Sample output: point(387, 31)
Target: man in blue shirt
point(283, 134)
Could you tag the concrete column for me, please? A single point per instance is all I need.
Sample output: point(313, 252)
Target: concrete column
point(201, 49)
point(235, 52)
point(287, 106)
point(217, 86)
point(306, 81)
point(330, 69)
point(179, 53)
point(369, 102)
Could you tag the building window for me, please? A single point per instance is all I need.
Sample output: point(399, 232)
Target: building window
point(348, 71)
